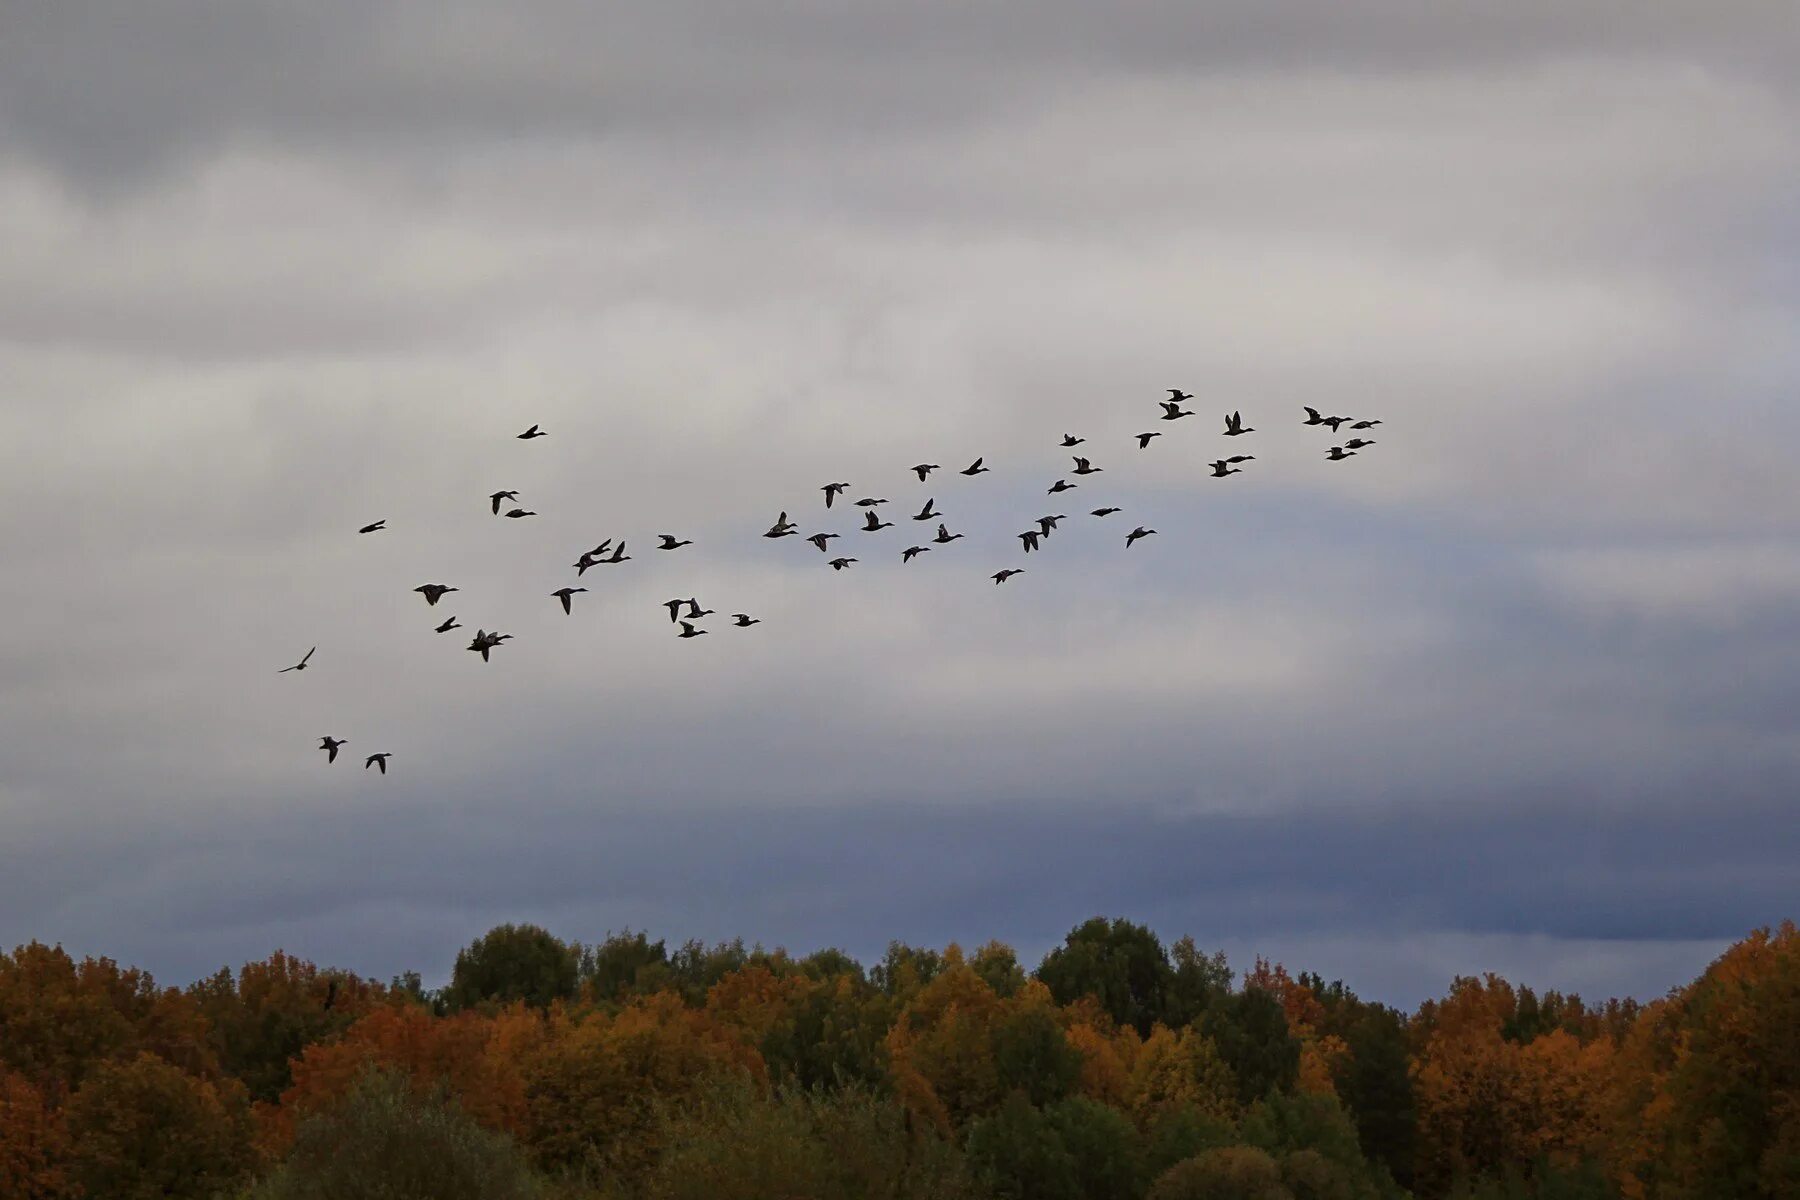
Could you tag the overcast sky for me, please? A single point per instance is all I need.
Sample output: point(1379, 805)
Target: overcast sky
point(1516, 688)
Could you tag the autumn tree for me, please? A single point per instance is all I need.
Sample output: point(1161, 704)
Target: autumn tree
point(34, 1143)
point(1121, 964)
point(1229, 1173)
point(271, 1011)
point(142, 1128)
point(513, 962)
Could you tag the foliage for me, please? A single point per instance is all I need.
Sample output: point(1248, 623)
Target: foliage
point(143, 1128)
point(1231, 1173)
point(1121, 964)
point(513, 962)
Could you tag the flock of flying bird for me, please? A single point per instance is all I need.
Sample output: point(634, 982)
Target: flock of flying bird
point(686, 611)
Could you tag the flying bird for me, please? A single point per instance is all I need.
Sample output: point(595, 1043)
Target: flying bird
point(1070, 439)
point(870, 502)
point(1062, 485)
point(1144, 439)
point(1083, 467)
point(378, 760)
point(1312, 415)
point(945, 536)
point(820, 540)
point(926, 513)
point(602, 548)
point(671, 542)
point(912, 552)
point(330, 746)
point(1030, 539)
point(447, 626)
point(1003, 576)
point(618, 555)
point(874, 524)
point(516, 513)
point(924, 469)
point(745, 620)
point(1177, 395)
point(433, 592)
point(1234, 425)
point(688, 631)
point(299, 666)
point(1365, 425)
point(1357, 443)
point(1134, 535)
point(376, 527)
point(581, 565)
point(1225, 466)
point(783, 528)
point(496, 497)
point(1339, 454)
point(1047, 524)
point(674, 607)
point(1173, 411)
point(838, 564)
point(533, 432)
point(695, 612)
point(975, 468)
point(564, 595)
point(831, 491)
point(1106, 512)
point(485, 641)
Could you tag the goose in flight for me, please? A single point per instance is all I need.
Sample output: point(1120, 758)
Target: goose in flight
point(671, 542)
point(924, 469)
point(1226, 466)
point(1338, 454)
point(330, 746)
point(516, 513)
point(1106, 512)
point(1084, 467)
point(447, 626)
point(945, 536)
point(838, 564)
point(1062, 485)
point(299, 666)
point(587, 559)
point(820, 540)
point(376, 527)
point(1357, 443)
point(433, 592)
point(496, 497)
point(1030, 539)
point(1003, 576)
point(870, 502)
point(831, 491)
point(783, 528)
point(674, 607)
point(1144, 439)
point(601, 549)
point(533, 432)
point(1177, 395)
point(1134, 535)
point(1173, 411)
point(564, 595)
point(1047, 525)
point(975, 468)
point(1312, 415)
point(485, 641)
point(378, 760)
point(617, 556)
point(874, 524)
point(1070, 439)
point(927, 513)
point(1234, 425)
point(688, 631)
point(1334, 422)
point(912, 552)
point(745, 620)
point(695, 612)
point(1365, 424)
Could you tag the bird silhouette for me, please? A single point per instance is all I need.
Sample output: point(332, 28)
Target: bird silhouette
point(870, 502)
point(433, 592)
point(695, 612)
point(944, 536)
point(588, 558)
point(1365, 424)
point(831, 491)
point(1070, 439)
point(533, 432)
point(1048, 524)
point(495, 498)
point(564, 594)
point(601, 549)
point(1357, 443)
point(330, 746)
point(1134, 535)
point(1030, 539)
point(783, 528)
point(1144, 439)
point(745, 620)
point(447, 626)
point(912, 552)
point(375, 527)
point(1334, 422)
point(378, 760)
point(1339, 454)
point(1106, 512)
point(1084, 467)
point(484, 642)
point(1234, 425)
point(516, 513)
point(1003, 576)
point(671, 542)
point(618, 555)
point(1312, 415)
point(674, 607)
point(874, 524)
point(1225, 466)
point(838, 564)
point(821, 539)
point(1173, 411)
point(927, 513)
point(975, 468)
point(924, 469)
point(1062, 485)
point(1177, 395)
point(688, 631)
point(299, 666)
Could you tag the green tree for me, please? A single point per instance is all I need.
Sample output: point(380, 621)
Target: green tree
point(1019, 1153)
point(513, 962)
point(1183, 1132)
point(1120, 964)
point(1251, 1034)
point(1033, 1055)
point(144, 1129)
point(384, 1141)
point(1104, 1144)
point(628, 963)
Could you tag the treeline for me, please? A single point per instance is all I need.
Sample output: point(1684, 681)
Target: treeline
point(1119, 1069)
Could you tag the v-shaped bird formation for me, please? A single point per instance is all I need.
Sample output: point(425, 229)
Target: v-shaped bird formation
point(686, 612)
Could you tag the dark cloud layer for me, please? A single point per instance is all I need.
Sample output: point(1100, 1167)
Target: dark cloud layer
point(1513, 689)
